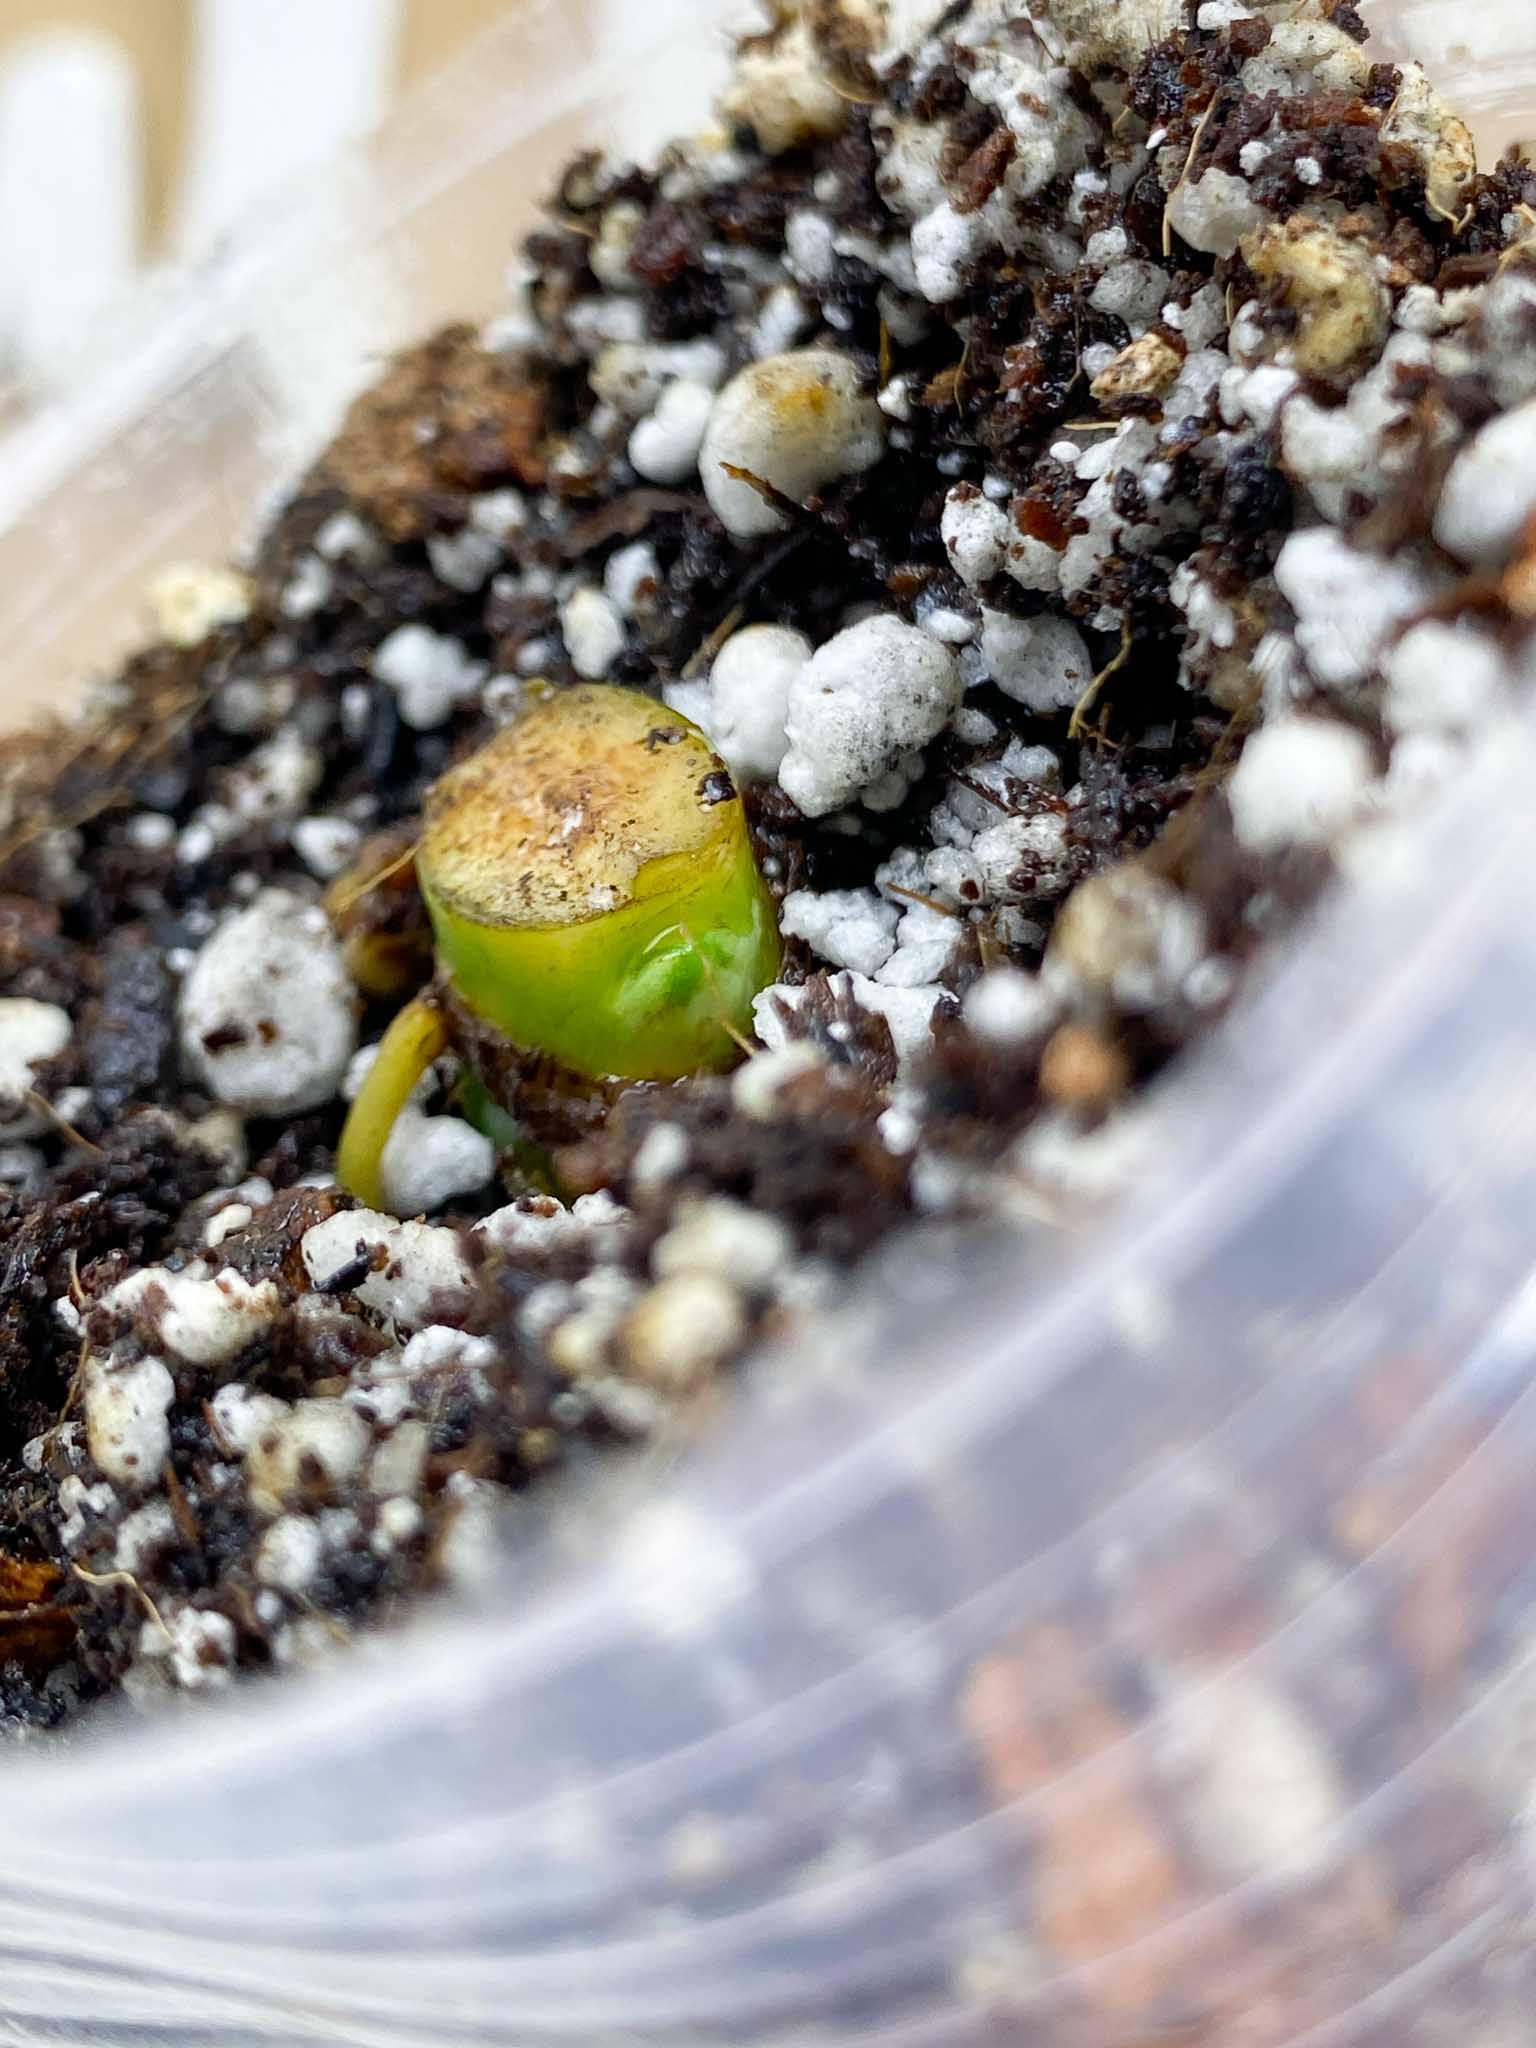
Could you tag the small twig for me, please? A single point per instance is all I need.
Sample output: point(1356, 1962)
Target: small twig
point(1040, 35)
point(766, 566)
point(712, 643)
point(769, 493)
point(854, 98)
point(917, 896)
point(988, 796)
point(344, 900)
point(339, 1631)
point(181, 1511)
point(1084, 703)
point(215, 1432)
point(72, 1391)
point(960, 369)
point(1189, 163)
point(137, 747)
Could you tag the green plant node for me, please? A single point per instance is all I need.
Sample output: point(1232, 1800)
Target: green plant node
point(594, 896)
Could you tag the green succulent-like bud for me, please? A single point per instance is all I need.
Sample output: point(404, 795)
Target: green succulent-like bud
point(590, 879)
point(592, 887)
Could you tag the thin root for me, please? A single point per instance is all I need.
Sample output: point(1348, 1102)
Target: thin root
point(1084, 703)
point(722, 1015)
point(62, 1124)
point(127, 1579)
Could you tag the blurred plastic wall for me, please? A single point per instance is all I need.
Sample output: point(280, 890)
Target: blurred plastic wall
point(135, 133)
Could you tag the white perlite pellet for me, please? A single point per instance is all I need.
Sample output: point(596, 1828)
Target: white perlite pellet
point(749, 691)
point(1262, 1795)
point(680, 1330)
point(725, 1238)
point(1300, 782)
point(142, 1534)
point(1214, 212)
point(204, 1318)
point(781, 92)
point(945, 244)
point(30, 1032)
point(315, 1437)
point(430, 673)
point(594, 631)
point(191, 599)
point(847, 927)
point(200, 1647)
point(464, 560)
point(1443, 678)
point(289, 1553)
point(1007, 1006)
point(628, 574)
point(873, 693)
point(926, 939)
point(421, 1260)
point(1347, 604)
point(976, 535)
point(325, 845)
point(664, 446)
point(1127, 935)
point(428, 1160)
point(125, 1418)
point(662, 1155)
point(1490, 493)
point(1042, 663)
point(797, 422)
point(535, 1224)
point(240, 1414)
point(266, 1016)
point(397, 1465)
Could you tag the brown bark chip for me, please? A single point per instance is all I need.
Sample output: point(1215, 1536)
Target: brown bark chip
point(446, 417)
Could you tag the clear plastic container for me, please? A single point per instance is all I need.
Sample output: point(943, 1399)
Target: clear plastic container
point(1123, 1637)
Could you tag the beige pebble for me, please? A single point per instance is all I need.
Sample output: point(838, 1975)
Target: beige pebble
point(675, 1336)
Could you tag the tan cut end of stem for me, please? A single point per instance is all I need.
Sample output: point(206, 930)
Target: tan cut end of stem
point(553, 820)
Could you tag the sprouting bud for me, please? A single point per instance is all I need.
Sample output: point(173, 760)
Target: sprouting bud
point(591, 883)
point(592, 887)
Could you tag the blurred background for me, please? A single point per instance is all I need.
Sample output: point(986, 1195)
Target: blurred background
point(135, 133)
